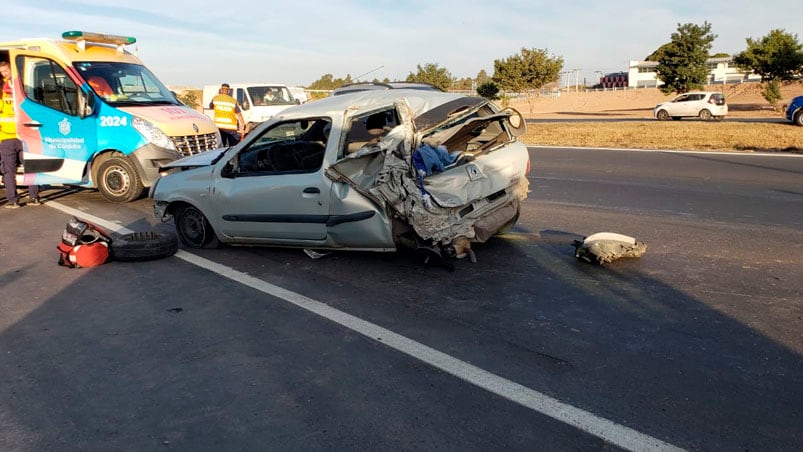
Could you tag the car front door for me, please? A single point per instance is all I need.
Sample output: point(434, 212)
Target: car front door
point(58, 140)
point(274, 189)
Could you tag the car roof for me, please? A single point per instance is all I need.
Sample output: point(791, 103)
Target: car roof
point(701, 92)
point(378, 86)
point(365, 101)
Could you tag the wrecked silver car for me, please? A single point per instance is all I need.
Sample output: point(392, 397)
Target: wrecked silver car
point(373, 171)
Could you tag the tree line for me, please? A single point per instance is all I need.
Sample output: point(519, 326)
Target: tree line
point(682, 66)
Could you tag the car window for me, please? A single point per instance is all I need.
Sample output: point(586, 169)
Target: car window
point(46, 83)
point(296, 146)
point(369, 129)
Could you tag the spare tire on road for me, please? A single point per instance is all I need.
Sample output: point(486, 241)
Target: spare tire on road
point(144, 246)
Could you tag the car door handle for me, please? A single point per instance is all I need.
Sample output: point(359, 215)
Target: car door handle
point(32, 124)
point(312, 190)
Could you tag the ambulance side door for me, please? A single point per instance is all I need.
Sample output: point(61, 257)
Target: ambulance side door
point(58, 132)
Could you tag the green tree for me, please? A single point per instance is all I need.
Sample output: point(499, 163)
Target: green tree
point(189, 98)
point(433, 74)
point(682, 62)
point(482, 78)
point(488, 90)
point(656, 56)
point(527, 72)
point(328, 82)
point(464, 84)
point(777, 55)
point(772, 92)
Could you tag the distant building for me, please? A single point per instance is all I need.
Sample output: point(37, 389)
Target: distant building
point(614, 80)
point(641, 74)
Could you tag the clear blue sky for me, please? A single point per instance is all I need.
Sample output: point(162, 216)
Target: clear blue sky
point(197, 42)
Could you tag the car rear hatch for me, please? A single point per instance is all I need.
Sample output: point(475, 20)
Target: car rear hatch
point(717, 99)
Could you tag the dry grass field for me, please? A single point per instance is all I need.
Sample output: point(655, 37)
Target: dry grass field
point(744, 101)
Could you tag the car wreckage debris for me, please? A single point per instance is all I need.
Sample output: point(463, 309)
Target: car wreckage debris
point(604, 247)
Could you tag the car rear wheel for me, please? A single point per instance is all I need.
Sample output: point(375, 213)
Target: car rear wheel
point(194, 229)
point(662, 115)
point(705, 115)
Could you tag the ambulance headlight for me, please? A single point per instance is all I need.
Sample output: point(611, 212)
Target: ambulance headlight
point(153, 134)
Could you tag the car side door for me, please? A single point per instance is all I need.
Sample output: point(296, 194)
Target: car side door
point(274, 190)
point(60, 136)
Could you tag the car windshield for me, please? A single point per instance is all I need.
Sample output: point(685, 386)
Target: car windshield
point(122, 84)
point(271, 95)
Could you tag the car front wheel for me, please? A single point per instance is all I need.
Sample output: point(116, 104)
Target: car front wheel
point(798, 118)
point(662, 115)
point(705, 115)
point(118, 180)
point(194, 229)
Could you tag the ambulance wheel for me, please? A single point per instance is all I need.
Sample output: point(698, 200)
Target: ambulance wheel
point(194, 229)
point(118, 180)
point(144, 246)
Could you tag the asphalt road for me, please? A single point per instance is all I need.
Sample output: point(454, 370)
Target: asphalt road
point(696, 345)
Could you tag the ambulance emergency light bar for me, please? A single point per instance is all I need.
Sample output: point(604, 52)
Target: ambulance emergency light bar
point(81, 38)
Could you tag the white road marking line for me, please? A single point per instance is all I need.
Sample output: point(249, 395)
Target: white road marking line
point(609, 431)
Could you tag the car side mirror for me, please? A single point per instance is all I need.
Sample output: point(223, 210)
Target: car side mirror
point(228, 170)
point(86, 104)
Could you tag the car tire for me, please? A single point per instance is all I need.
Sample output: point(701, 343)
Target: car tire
point(143, 246)
point(118, 180)
point(662, 115)
point(798, 119)
point(193, 229)
point(705, 115)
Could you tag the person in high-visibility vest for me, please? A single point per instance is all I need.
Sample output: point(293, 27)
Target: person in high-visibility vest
point(228, 117)
point(10, 145)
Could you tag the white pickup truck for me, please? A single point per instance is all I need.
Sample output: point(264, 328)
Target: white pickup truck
point(258, 101)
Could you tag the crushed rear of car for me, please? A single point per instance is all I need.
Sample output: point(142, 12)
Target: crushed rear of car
point(375, 170)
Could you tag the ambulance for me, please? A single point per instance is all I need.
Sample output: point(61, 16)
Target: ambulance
point(89, 113)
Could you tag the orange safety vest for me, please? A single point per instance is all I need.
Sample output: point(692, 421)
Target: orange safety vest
point(8, 122)
point(225, 112)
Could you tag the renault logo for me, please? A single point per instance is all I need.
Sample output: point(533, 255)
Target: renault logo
point(195, 127)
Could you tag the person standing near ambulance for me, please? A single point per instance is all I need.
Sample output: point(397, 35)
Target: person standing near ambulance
point(10, 145)
point(228, 117)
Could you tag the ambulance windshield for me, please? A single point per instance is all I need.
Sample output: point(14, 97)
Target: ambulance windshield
point(125, 84)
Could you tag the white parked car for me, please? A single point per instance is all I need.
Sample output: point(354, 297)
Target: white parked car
point(371, 171)
point(299, 94)
point(699, 104)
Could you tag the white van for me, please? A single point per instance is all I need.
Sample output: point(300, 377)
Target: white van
point(89, 113)
point(256, 105)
